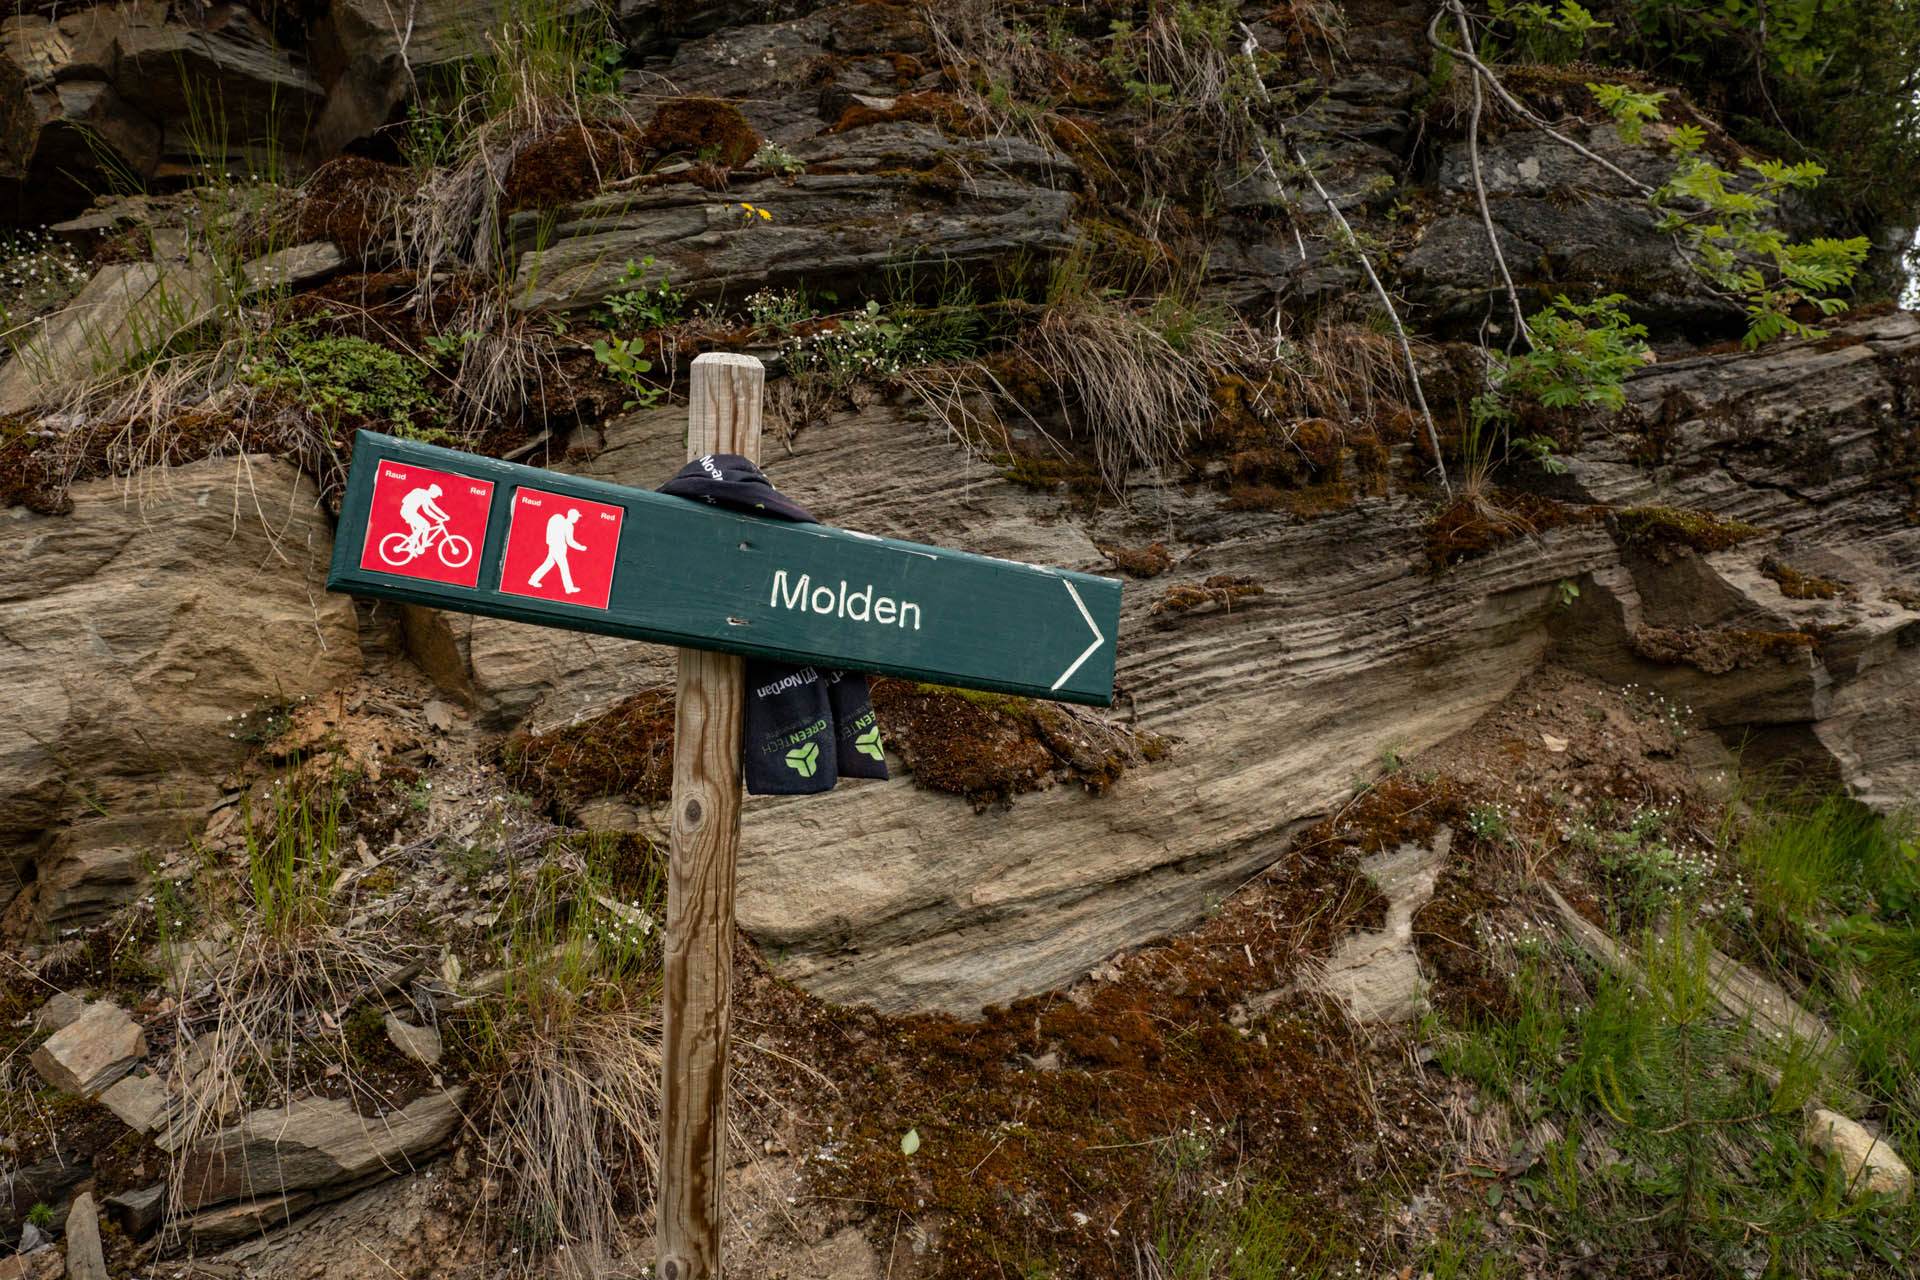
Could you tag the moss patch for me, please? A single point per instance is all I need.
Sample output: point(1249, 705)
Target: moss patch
point(1219, 591)
point(1309, 502)
point(1051, 1129)
point(938, 109)
point(990, 747)
point(569, 164)
point(980, 746)
point(1149, 561)
point(701, 129)
point(351, 201)
point(626, 752)
point(1796, 585)
point(1718, 652)
point(1472, 527)
point(1465, 984)
point(1656, 532)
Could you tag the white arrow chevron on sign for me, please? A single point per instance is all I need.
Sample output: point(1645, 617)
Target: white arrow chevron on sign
point(1091, 649)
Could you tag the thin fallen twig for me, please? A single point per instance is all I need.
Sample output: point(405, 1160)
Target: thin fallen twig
point(1250, 46)
point(1520, 108)
point(1520, 330)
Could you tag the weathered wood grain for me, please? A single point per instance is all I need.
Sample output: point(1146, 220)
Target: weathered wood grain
point(723, 417)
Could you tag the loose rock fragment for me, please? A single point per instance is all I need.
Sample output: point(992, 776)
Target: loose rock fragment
point(422, 1044)
point(139, 1101)
point(139, 1212)
point(92, 1051)
point(85, 1258)
point(1869, 1165)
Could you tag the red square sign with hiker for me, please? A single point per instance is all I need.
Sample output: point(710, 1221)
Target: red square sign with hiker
point(561, 548)
point(427, 524)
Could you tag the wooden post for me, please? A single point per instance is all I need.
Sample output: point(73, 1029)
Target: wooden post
point(723, 417)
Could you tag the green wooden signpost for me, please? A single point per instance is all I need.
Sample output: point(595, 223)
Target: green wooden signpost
point(457, 531)
point(687, 574)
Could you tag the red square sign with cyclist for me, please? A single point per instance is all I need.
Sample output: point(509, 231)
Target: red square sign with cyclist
point(427, 524)
point(561, 548)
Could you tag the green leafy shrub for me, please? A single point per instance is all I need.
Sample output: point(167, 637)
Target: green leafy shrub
point(1544, 32)
point(1632, 109)
point(347, 377)
point(621, 359)
point(641, 304)
point(1825, 78)
point(1722, 222)
point(1580, 358)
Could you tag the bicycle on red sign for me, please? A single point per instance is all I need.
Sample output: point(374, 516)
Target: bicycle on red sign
point(399, 549)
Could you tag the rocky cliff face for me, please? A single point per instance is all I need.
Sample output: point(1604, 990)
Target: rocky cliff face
point(160, 607)
point(152, 628)
point(1280, 701)
point(1058, 284)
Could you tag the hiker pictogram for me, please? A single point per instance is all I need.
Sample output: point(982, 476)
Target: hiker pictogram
point(426, 524)
point(559, 542)
point(561, 548)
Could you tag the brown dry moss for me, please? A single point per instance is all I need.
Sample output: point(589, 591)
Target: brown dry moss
point(700, 128)
point(929, 107)
point(981, 746)
point(30, 470)
point(1805, 586)
point(1472, 526)
point(38, 466)
point(351, 201)
point(1717, 652)
point(1149, 561)
point(1404, 809)
point(1048, 1128)
point(1463, 983)
point(626, 752)
point(570, 163)
point(1657, 531)
point(1309, 502)
point(1219, 591)
point(990, 747)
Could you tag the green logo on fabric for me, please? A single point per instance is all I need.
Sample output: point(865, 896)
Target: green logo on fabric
point(868, 744)
point(803, 760)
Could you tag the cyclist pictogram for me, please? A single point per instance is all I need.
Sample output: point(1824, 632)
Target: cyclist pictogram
point(427, 525)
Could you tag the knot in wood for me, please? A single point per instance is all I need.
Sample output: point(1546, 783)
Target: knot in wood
point(693, 812)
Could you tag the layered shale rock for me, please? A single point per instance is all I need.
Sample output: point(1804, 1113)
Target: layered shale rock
point(889, 895)
point(143, 625)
